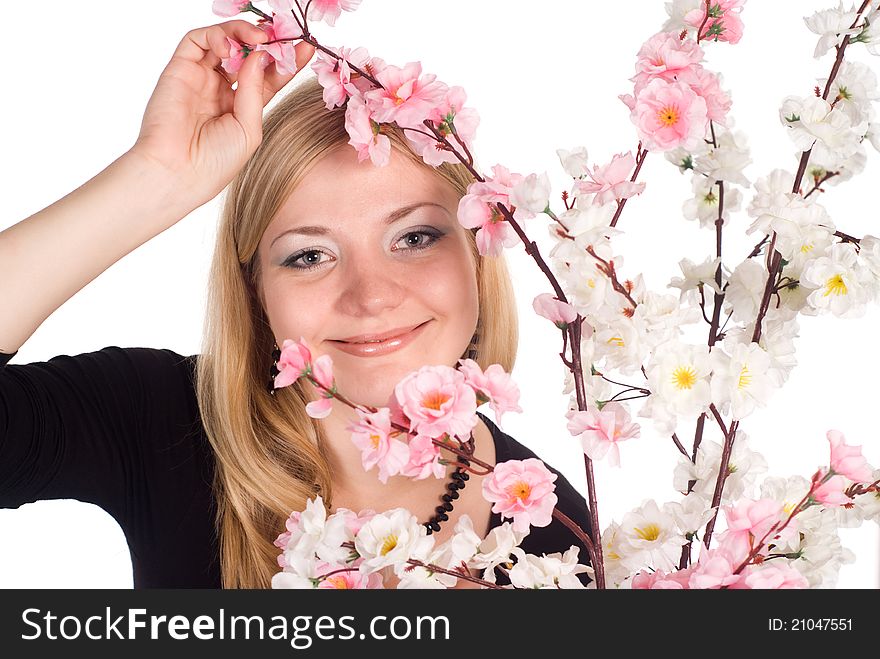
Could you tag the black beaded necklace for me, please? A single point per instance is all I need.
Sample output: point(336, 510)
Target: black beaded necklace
point(456, 483)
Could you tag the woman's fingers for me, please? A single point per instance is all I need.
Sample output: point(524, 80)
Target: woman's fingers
point(196, 44)
point(247, 104)
point(274, 81)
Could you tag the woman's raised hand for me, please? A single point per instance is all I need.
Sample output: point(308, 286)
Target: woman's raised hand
point(198, 127)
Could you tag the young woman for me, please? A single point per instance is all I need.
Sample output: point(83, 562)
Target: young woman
point(197, 458)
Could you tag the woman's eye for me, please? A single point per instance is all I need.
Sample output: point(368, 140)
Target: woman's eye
point(419, 239)
point(305, 260)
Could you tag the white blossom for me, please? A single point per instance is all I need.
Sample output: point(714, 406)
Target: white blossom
point(744, 467)
point(574, 162)
point(831, 25)
point(742, 380)
point(652, 536)
point(677, 10)
point(842, 285)
point(703, 206)
point(691, 514)
point(547, 571)
point(812, 120)
point(496, 548)
point(854, 87)
point(694, 276)
point(531, 196)
point(726, 161)
point(389, 539)
point(745, 289)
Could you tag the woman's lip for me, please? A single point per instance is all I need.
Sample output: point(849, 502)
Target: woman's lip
point(378, 348)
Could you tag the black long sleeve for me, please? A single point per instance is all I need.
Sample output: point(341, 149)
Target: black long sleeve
point(118, 428)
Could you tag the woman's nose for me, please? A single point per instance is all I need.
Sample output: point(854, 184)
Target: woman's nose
point(371, 289)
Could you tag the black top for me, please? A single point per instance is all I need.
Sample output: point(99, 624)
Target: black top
point(120, 428)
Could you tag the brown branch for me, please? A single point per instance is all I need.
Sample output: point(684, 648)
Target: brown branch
point(640, 158)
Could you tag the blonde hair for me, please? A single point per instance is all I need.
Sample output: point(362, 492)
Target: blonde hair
point(270, 455)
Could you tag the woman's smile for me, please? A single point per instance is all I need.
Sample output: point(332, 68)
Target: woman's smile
point(364, 347)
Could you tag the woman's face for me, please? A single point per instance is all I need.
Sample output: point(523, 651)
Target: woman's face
point(358, 250)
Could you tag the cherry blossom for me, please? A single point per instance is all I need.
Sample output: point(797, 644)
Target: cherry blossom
point(601, 430)
point(407, 97)
point(847, 460)
point(494, 385)
point(329, 10)
point(558, 312)
point(669, 115)
point(437, 400)
point(522, 490)
point(611, 182)
point(373, 436)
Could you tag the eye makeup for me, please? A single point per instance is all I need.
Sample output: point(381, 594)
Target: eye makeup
point(430, 236)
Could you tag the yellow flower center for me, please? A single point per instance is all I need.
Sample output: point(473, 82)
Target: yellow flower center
point(389, 544)
point(807, 247)
point(668, 116)
point(374, 440)
point(684, 377)
point(617, 341)
point(338, 582)
point(835, 286)
point(745, 379)
point(591, 283)
point(435, 400)
point(650, 533)
point(614, 556)
point(519, 490)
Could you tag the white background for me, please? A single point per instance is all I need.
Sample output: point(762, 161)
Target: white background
point(543, 76)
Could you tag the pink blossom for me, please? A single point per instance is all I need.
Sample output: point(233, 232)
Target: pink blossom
point(847, 460)
point(291, 524)
point(424, 459)
point(329, 10)
point(714, 569)
point(438, 401)
point(494, 385)
point(676, 580)
point(373, 436)
point(318, 409)
point(479, 209)
point(707, 85)
point(283, 26)
point(237, 53)
point(355, 520)
point(611, 182)
point(346, 579)
point(664, 56)
point(771, 576)
point(523, 490)
point(831, 492)
point(407, 97)
point(227, 8)
point(364, 134)
point(668, 115)
point(322, 372)
point(495, 233)
point(334, 75)
point(558, 312)
point(749, 521)
point(294, 363)
point(600, 431)
point(448, 114)
point(727, 27)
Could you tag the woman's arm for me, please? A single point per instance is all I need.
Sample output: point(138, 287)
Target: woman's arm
point(197, 133)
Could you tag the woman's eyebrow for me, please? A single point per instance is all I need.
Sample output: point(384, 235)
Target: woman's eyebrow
point(391, 218)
